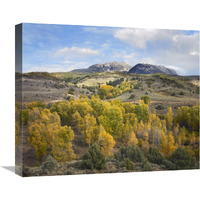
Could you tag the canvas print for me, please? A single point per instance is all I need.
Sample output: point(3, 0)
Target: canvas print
point(95, 99)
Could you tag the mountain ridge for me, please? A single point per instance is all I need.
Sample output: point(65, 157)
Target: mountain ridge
point(108, 66)
point(142, 68)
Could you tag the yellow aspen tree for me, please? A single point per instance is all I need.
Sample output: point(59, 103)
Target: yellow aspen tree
point(141, 130)
point(47, 136)
point(97, 105)
point(167, 145)
point(135, 126)
point(90, 130)
point(37, 140)
point(83, 108)
point(133, 139)
point(129, 107)
point(156, 130)
point(78, 121)
point(62, 145)
point(34, 114)
point(131, 118)
point(112, 120)
point(128, 135)
point(141, 111)
point(176, 131)
point(169, 118)
point(182, 136)
point(106, 142)
point(192, 139)
point(145, 146)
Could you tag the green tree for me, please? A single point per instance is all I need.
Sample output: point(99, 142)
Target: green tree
point(154, 156)
point(94, 158)
point(146, 166)
point(128, 164)
point(182, 159)
point(133, 153)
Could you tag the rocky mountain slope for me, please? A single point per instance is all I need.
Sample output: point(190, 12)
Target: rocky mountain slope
point(151, 69)
point(109, 66)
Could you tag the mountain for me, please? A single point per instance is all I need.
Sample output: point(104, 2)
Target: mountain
point(142, 68)
point(109, 66)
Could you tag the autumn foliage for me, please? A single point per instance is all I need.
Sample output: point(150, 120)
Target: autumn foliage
point(106, 125)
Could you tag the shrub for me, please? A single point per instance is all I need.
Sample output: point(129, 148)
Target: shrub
point(71, 91)
point(154, 156)
point(67, 98)
point(115, 82)
point(93, 159)
point(182, 159)
point(173, 94)
point(181, 93)
point(132, 96)
point(160, 107)
point(168, 164)
point(50, 164)
point(128, 164)
point(133, 153)
point(146, 166)
point(122, 154)
point(146, 99)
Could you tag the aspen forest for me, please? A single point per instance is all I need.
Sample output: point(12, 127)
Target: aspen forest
point(124, 135)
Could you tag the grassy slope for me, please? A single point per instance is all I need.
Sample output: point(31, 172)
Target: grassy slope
point(166, 90)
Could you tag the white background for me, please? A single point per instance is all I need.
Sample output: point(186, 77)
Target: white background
point(170, 14)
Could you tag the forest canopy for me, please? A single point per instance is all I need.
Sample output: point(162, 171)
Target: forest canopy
point(109, 125)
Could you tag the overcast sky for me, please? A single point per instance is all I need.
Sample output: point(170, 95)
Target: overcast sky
point(61, 48)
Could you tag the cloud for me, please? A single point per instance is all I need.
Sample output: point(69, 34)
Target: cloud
point(133, 58)
point(163, 47)
point(99, 29)
point(76, 52)
point(65, 67)
point(78, 65)
point(194, 53)
point(68, 61)
point(45, 68)
point(185, 43)
point(135, 37)
point(178, 69)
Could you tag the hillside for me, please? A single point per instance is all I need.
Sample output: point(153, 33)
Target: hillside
point(71, 96)
point(162, 89)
